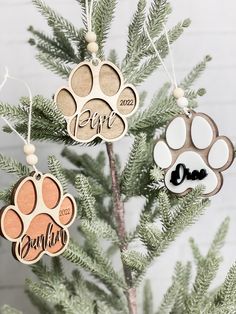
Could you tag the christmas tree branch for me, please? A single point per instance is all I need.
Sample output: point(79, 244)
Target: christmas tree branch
point(120, 221)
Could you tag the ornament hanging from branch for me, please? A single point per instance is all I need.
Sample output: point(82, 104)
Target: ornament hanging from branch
point(39, 215)
point(192, 152)
point(98, 101)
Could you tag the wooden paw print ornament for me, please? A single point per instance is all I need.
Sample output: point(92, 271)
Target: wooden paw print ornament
point(97, 102)
point(193, 153)
point(38, 218)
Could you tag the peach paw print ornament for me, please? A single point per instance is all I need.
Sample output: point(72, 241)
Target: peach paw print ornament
point(97, 102)
point(39, 215)
point(38, 218)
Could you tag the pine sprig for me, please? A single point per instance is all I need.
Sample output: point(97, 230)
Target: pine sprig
point(136, 261)
point(77, 256)
point(103, 15)
point(89, 167)
point(56, 169)
point(58, 47)
point(135, 165)
point(12, 112)
point(57, 21)
point(42, 306)
point(100, 229)
point(171, 295)
point(198, 258)
point(12, 166)
point(135, 28)
point(226, 293)
point(164, 208)
point(86, 199)
point(195, 73)
point(6, 309)
point(207, 269)
point(55, 65)
point(147, 298)
point(146, 62)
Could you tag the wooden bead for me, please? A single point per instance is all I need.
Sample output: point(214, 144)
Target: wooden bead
point(178, 93)
point(29, 149)
point(182, 102)
point(32, 160)
point(91, 37)
point(92, 47)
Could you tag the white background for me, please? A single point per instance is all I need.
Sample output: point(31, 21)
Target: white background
point(213, 32)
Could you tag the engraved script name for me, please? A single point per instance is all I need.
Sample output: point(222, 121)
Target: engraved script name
point(182, 172)
point(49, 239)
point(96, 120)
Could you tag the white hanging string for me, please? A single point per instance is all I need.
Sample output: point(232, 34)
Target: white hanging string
point(6, 77)
point(171, 57)
point(159, 56)
point(89, 14)
point(168, 73)
point(171, 77)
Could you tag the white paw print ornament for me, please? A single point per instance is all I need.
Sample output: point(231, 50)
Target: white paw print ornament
point(193, 153)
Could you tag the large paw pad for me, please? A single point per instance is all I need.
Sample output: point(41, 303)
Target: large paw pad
point(97, 102)
point(37, 222)
point(193, 153)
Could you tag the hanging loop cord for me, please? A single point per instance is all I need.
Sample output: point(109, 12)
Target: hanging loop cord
point(29, 149)
point(178, 92)
point(91, 36)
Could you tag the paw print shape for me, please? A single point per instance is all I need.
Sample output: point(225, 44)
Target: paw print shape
point(37, 221)
point(97, 102)
point(193, 154)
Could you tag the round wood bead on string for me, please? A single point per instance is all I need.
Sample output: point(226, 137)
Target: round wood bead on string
point(178, 93)
point(182, 102)
point(92, 47)
point(29, 149)
point(32, 159)
point(91, 37)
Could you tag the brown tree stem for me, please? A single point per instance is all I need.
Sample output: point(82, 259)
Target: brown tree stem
point(119, 213)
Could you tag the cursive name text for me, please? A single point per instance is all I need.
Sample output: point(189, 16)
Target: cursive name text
point(49, 239)
point(96, 120)
point(182, 173)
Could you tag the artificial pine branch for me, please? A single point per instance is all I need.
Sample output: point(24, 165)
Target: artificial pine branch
point(12, 166)
point(135, 165)
point(120, 222)
point(102, 197)
point(147, 298)
point(6, 309)
point(56, 169)
point(103, 14)
point(54, 64)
